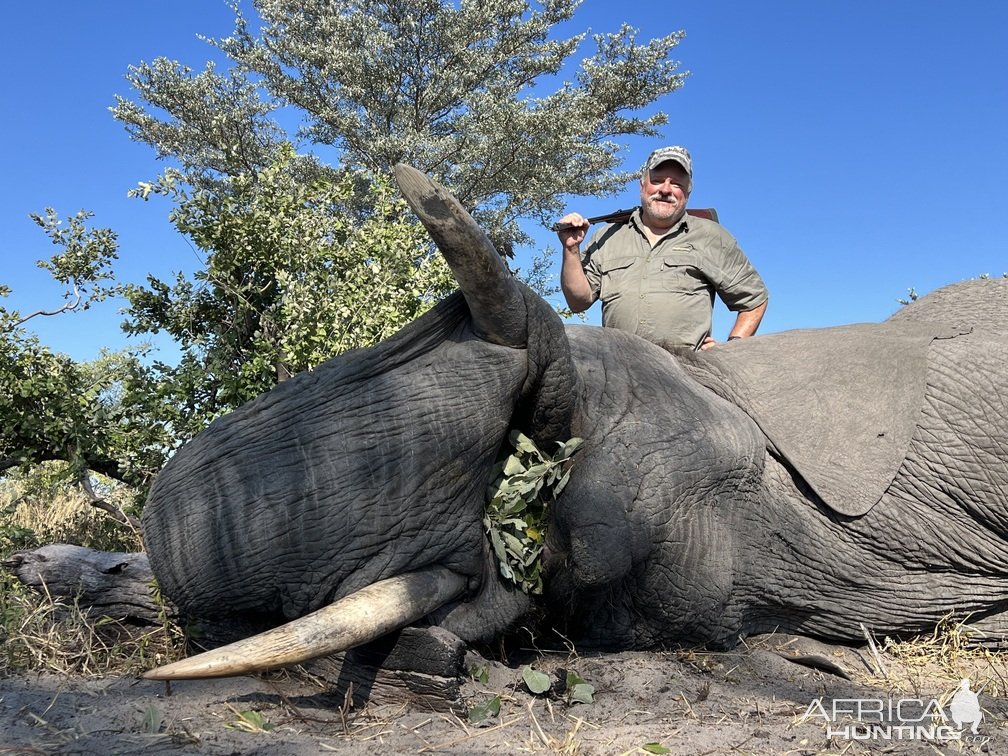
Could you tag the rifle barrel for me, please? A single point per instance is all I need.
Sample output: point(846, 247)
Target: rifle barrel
point(621, 215)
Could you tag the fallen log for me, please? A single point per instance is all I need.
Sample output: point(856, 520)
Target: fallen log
point(104, 583)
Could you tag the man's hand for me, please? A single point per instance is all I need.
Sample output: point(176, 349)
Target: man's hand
point(572, 230)
point(573, 282)
point(746, 323)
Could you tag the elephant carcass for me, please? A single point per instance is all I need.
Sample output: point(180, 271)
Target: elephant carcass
point(682, 523)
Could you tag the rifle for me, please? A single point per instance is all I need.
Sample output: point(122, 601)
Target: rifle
point(621, 215)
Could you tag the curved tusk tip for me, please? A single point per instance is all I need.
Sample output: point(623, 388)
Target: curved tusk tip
point(167, 672)
point(191, 669)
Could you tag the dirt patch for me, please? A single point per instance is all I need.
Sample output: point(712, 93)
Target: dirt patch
point(752, 701)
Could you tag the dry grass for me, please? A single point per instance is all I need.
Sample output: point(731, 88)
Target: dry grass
point(47, 507)
point(954, 651)
point(40, 632)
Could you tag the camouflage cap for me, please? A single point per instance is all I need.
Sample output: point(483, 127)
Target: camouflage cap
point(662, 154)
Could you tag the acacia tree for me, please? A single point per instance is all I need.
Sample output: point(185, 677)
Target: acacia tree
point(472, 92)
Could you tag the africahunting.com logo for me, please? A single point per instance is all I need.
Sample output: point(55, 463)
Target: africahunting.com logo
point(882, 719)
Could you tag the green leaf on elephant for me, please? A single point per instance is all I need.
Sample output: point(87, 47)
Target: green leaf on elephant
point(513, 466)
point(516, 515)
point(561, 484)
point(514, 507)
point(655, 747)
point(537, 682)
point(535, 473)
point(568, 448)
point(513, 543)
point(498, 545)
point(521, 442)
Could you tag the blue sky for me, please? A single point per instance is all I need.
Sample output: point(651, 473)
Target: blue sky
point(854, 148)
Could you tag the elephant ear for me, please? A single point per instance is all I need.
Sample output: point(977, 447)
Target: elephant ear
point(839, 404)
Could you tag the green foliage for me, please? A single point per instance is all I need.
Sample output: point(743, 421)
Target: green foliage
point(577, 689)
point(84, 263)
point(53, 408)
point(153, 721)
point(482, 713)
point(295, 273)
point(537, 682)
point(84, 413)
point(47, 505)
point(912, 296)
point(249, 721)
point(213, 125)
point(486, 95)
point(42, 633)
point(655, 747)
point(570, 685)
point(524, 484)
point(480, 673)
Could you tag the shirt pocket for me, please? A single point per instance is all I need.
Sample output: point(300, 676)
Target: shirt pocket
point(680, 274)
point(617, 277)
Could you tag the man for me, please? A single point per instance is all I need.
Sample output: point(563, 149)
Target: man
point(657, 272)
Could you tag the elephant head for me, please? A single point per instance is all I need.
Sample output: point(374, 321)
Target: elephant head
point(349, 500)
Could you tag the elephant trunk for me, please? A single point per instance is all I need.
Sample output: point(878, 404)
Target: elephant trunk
point(495, 300)
point(358, 618)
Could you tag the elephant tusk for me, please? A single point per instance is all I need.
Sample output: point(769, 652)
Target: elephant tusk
point(495, 300)
point(358, 618)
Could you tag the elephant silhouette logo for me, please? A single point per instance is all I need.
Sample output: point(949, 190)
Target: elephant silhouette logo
point(965, 707)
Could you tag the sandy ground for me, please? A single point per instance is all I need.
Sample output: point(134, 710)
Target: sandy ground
point(750, 701)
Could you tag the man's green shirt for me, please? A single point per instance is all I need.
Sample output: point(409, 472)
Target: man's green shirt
point(666, 294)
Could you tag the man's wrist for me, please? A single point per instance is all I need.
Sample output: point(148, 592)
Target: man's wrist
point(732, 338)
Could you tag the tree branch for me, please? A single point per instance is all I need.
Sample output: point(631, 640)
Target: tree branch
point(65, 308)
point(117, 514)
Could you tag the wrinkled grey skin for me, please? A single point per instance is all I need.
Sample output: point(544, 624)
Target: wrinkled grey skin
point(678, 525)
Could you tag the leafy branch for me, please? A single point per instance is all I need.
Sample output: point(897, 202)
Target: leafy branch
point(524, 484)
point(84, 263)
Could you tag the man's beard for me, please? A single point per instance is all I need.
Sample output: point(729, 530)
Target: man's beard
point(668, 207)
